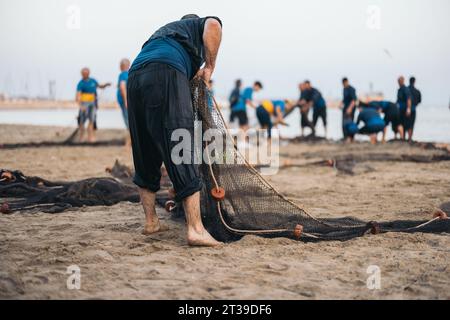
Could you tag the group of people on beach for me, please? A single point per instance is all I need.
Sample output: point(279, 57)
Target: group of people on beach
point(375, 115)
point(154, 94)
point(400, 115)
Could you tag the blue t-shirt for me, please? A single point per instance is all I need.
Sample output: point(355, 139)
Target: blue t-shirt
point(123, 76)
point(383, 105)
point(416, 97)
point(167, 51)
point(278, 104)
point(403, 95)
point(247, 94)
point(369, 116)
point(317, 99)
point(349, 96)
point(87, 86)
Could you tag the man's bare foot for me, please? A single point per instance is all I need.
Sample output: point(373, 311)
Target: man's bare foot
point(154, 228)
point(203, 239)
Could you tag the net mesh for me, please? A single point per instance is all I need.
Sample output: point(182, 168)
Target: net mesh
point(253, 206)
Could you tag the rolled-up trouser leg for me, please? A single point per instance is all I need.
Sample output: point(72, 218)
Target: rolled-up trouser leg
point(159, 103)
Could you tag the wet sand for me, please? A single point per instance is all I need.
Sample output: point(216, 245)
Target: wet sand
point(118, 262)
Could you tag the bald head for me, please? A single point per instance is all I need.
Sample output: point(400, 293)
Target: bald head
point(124, 64)
point(85, 72)
point(401, 81)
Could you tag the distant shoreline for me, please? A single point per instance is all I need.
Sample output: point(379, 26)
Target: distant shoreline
point(48, 104)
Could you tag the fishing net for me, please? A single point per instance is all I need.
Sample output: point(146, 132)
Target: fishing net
point(19, 192)
point(237, 200)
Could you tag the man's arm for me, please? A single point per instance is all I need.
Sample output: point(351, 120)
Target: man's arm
point(212, 36)
point(78, 97)
point(123, 92)
point(103, 85)
point(350, 107)
point(250, 103)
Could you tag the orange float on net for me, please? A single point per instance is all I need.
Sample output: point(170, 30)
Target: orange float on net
point(440, 214)
point(218, 193)
point(170, 205)
point(4, 208)
point(298, 230)
point(7, 176)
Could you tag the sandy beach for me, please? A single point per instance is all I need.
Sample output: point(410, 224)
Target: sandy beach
point(118, 262)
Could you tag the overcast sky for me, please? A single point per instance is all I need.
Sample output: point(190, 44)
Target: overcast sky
point(278, 42)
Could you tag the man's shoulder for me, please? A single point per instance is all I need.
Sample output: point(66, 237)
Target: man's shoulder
point(123, 75)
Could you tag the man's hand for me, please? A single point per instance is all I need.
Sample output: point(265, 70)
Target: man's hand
point(205, 74)
point(408, 112)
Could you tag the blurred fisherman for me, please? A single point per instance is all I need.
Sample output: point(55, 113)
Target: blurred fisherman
point(348, 105)
point(404, 101)
point(416, 99)
point(86, 97)
point(235, 95)
point(240, 109)
point(391, 115)
point(122, 93)
point(373, 123)
point(314, 98)
point(272, 109)
point(304, 107)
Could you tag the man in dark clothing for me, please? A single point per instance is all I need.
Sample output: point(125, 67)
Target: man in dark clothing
point(405, 105)
point(416, 99)
point(235, 95)
point(159, 102)
point(304, 109)
point(317, 102)
point(348, 108)
point(373, 124)
point(391, 115)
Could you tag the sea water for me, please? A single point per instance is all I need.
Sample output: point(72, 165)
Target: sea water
point(432, 123)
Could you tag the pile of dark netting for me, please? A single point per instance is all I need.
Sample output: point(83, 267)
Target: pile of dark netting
point(19, 192)
point(252, 206)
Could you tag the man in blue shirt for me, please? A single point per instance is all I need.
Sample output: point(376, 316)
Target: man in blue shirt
point(235, 95)
point(405, 105)
point(373, 124)
point(348, 104)
point(269, 109)
point(416, 99)
point(159, 103)
point(122, 94)
point(304, 109)
point(391, 115)
point(86, 97)
point(315, 99)
point(240, 109)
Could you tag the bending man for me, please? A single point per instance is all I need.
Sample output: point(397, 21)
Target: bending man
point(159, 102)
